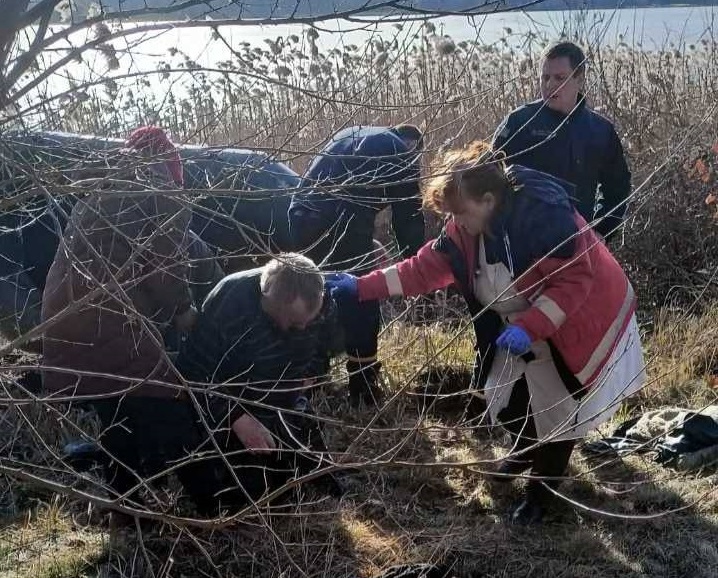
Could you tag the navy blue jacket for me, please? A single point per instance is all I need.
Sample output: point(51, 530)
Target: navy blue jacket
point(581, 148)
point(362, 170)
point(246, 222)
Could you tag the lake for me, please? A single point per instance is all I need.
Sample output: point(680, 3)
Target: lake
point(646, 28)
point(649, 27)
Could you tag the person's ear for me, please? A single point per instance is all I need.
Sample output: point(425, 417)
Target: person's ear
point(581, 80)
point(489, 200)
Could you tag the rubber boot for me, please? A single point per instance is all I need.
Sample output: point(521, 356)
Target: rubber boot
point(363, 383)
point(532, 509)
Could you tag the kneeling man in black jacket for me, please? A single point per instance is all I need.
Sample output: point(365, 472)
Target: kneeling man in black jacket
point(259, 344)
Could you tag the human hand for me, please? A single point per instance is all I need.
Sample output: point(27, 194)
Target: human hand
point(184, 322)
point(253, 435)
point(514, 340)
point(342, 285)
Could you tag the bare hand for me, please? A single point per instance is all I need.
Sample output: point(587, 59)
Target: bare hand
point(184, 322)
point(253, 435)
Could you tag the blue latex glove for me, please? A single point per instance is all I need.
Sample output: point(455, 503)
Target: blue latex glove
point(515, 340)
point(342, 286)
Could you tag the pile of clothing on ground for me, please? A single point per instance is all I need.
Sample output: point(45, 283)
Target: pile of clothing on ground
point(682, 439)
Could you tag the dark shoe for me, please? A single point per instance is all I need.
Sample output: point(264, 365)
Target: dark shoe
point(508, 470)
point(528, 513)
point(119, 521)
point(31, 381)
point(363, 384)
point(83, 456)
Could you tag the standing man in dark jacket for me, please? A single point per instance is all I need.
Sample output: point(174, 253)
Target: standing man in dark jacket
point(256, 344)
point(362, 170)
point(560, 135)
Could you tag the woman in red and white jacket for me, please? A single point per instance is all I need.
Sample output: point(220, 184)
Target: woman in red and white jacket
point(558, 346)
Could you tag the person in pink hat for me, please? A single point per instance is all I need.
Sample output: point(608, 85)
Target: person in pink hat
point(119, 278)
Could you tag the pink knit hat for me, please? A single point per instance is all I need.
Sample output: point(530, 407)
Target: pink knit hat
point(154, 140)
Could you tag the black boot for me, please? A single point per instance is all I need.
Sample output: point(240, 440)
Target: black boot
point(528, 513)
point(534, 506)
point(550, 464)
point(363, 386)
point(509, 469)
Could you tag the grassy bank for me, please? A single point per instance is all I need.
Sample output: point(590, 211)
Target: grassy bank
point(419, 495)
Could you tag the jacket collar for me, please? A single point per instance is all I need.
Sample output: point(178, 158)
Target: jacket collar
point(543, 187)
point(581, 106)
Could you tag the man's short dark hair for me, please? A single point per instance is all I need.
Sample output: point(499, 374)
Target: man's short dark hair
point(411, 134)
point(569, 50)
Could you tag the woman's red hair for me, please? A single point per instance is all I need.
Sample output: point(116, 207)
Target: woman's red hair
point(471, 171)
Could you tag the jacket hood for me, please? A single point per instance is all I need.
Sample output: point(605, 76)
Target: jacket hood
point(540, 186)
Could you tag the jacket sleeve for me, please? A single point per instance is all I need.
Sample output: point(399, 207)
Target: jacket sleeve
point(427, 271)
point(566, 281)
point(615, 186)
point(166, 259)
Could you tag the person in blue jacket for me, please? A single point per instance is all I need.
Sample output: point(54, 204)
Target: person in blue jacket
point(359, 172)
point(560, 135)
point(28, 238)
point(230, 231)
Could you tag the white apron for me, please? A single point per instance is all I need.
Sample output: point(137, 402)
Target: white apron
point(557, 415)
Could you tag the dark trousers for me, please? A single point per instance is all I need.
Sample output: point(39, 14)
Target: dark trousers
point(360, 323)
point(142, 437)
point(147, 436)
point(344, 243)
point(547, 460)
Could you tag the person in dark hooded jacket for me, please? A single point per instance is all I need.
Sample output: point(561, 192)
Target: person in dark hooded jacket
point(359, 172)
point(558, 346)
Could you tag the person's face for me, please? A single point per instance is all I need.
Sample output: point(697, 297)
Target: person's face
point(473, 215)
point(305, 227)
point(560, 87)
point(150, 170)
point(294, 316)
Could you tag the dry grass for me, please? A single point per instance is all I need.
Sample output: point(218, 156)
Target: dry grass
point(437, 506)
point(45, 543)
point(682, 352)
